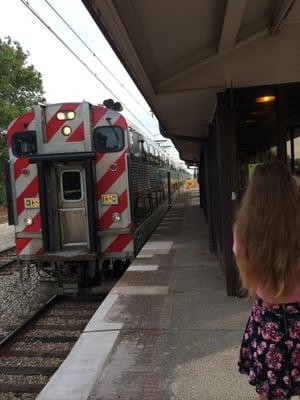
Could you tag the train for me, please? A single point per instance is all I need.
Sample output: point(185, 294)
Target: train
point(85, 190)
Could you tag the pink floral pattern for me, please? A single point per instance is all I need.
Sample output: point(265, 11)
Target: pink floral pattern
point(270, 350)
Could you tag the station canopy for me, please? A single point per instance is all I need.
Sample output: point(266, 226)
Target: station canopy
point(182, 53)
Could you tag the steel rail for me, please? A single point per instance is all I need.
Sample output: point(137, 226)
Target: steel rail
point(12, 336)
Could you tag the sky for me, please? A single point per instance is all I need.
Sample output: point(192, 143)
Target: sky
point(64, 77)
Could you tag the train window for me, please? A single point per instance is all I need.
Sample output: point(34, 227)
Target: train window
point(151, 154)
point(139, 209)
point(154, 200)
point(156, 155)
point(24, 144)
point(144, 150)
point(71, 185)
point(148, 204)
point(108, 139)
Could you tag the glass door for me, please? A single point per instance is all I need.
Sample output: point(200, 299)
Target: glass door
point(72, 206)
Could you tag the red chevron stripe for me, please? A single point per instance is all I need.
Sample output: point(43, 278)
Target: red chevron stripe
point(30, 191)
point(99, 156)
point(110, 177)
point(21, 243)
point(98, 113)
point(53, 125)
point(20, 124)
point(106, 219)
point(36, 225)
point(121, 121)
point(119, 243)
point(77, 135)
point(19, 164)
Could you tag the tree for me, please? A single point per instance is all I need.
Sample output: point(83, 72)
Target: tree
point(21, 87)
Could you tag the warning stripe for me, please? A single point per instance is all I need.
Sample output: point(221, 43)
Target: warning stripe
point(21, 243)
point(23, 181)
point(30, 246)
point(106, 219)
point(27, 213)
point(30, 191)
point(110, 177)
point(53, 125)
point(119, 243)
point(36, 224)
point(107, 118)
point(77, 135)
point(98, 113)
point(19, 124)
point(99, 156)
point(19, 164)
point(121, 121)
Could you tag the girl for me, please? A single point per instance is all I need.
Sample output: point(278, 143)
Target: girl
point(267, 252)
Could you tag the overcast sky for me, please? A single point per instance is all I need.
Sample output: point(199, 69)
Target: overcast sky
point(64, 77)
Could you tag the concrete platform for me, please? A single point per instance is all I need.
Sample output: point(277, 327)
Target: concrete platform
point(167, 330)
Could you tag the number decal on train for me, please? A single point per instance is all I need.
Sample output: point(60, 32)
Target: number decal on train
point(109, 199)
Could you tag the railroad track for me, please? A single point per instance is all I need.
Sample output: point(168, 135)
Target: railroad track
point(7, 258)
point(31, 353)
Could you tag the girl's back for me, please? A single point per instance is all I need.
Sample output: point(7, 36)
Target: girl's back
point(267, 251)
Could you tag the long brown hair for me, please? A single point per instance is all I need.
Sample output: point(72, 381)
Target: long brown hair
point(267, 226)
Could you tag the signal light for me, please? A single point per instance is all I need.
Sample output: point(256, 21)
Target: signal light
point(109, 103)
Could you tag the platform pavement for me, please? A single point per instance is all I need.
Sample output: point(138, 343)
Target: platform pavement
point(7, 236)
point(167, 330)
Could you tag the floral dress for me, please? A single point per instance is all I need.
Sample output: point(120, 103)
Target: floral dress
point(270, 350)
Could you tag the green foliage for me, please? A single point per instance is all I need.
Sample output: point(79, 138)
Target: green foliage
point(21, 87)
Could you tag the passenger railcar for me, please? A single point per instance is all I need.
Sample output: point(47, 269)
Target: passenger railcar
point(85, 190)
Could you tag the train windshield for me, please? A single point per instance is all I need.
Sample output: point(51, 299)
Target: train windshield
point(108, 139)
point(24, 144)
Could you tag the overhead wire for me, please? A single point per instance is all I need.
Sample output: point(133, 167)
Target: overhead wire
point(95, 55)
point(35, 13)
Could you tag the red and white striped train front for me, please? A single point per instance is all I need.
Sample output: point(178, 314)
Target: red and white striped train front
point(68, 191)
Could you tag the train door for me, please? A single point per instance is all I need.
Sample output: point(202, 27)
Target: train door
point(72, 213)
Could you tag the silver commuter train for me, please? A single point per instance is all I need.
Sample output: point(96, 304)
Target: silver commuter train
point(85, 191)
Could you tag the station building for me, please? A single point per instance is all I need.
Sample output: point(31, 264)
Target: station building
point(223, 78)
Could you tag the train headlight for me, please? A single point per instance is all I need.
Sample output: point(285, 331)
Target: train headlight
point(60, 116)
point(70, 115)
point(66, 130)
point(28, 221)
point(116, 217)
point(64, 115)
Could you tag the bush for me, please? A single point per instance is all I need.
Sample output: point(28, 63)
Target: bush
point(3, 201)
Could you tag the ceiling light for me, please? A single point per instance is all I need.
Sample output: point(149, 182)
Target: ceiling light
point(264, 99)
